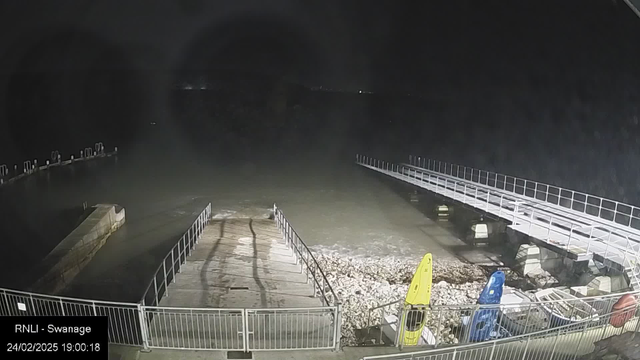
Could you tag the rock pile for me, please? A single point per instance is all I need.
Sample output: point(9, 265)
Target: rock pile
point(366, 282)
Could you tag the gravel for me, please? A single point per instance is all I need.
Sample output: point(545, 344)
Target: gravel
point(366, 282)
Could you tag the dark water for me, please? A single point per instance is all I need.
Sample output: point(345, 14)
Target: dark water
point(331, 202)
point(40, 210)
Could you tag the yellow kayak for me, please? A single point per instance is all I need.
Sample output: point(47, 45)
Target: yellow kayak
point(417, 300)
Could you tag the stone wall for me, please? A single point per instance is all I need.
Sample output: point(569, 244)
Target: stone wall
point(75, 251)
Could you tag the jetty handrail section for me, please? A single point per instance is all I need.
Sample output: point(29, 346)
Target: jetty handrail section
point(309, 263)
point(173, 261)
point(595, 221)
point(619, 215)
point(574, 339)
point(538, 222)
point(55, 159)
point(606, 209)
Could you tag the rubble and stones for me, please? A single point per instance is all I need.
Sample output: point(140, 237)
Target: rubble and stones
point(363, 283)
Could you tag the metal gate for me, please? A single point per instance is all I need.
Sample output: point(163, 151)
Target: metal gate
point(195, 328)
point(240, 329)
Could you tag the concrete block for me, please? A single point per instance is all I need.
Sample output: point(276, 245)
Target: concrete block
point(619, 282)
point(601, 283)
point(479, 231)
point(442, 211)
point(579, 291)
point(75, 251)
point(528, 260)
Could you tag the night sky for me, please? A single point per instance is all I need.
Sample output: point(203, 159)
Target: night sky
point(540, 89)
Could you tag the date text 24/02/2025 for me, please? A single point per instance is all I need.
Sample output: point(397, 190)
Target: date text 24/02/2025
point(51, 347)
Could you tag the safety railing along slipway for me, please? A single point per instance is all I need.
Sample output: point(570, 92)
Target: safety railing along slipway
point(329, 315)
point(565, 342)
point(543, 223)
point(241, 329)
point(31, 166)
point(172, 263)
point(452, 324)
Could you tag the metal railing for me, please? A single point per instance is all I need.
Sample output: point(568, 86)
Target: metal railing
point(606, 209)
point(195, 328)
point(292, 328)
point(124, 324)
point(55, 159)
point(172, 263)
point(308, 261)
point(568, 341)
point(541, 193)
point(538, 222)
point(321, 285)
point(449, 324)
point(240, 329)
point(151, 326)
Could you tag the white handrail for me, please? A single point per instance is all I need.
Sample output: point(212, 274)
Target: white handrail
point(479, 193)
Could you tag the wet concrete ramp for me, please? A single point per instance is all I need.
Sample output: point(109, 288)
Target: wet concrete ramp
point(241, 263)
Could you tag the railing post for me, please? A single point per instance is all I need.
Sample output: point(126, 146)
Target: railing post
point(6, 301)
point(471, 318)
point(590, 240)
point(526, 323)
point(245, 330)
point(338, 327)
point(600, 209)
point(555, 344)
point(526, 347)
point(637, 324)
point(164, 275)
point(33, 307)
point(173, 265)
point(455, 189)
point(493, 349)
point(570, 236)
point(143, 328)
point(401, 328)
point(488, 196)
point(179, 259)
point(606, 251)
point(155, 288)
point(575, 353)
point(531, 220)
point(438, 329)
